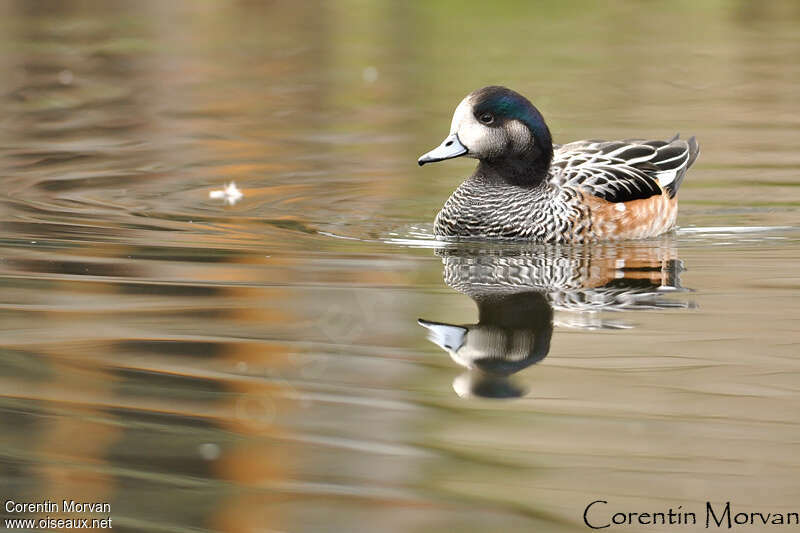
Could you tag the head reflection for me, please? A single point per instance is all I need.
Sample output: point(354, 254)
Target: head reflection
point(517, 291)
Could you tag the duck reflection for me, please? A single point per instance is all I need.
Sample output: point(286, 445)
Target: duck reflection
point(518, 289)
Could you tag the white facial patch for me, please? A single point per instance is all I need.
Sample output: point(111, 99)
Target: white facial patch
point(462, 114)
point(481, 140)
point(471, 133)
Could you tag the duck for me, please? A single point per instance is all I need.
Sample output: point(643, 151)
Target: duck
point(527, 188)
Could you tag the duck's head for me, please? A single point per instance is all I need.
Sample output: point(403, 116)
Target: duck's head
point(503, 130)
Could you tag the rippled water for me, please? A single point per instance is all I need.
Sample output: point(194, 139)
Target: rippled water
point(310, 358)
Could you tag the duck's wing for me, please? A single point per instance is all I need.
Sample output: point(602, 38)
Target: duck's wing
point(621, 171)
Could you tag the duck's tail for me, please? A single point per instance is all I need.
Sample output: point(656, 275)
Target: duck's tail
point(673, 160)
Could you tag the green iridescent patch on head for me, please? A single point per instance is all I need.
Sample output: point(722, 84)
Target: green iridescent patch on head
point(510, 105)
point(502, 105)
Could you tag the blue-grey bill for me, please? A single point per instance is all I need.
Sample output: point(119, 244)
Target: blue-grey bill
point(451, 147)
point(446, 336)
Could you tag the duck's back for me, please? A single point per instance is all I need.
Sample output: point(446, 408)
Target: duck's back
point(620, 171)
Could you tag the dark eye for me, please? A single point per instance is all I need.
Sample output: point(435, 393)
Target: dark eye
point(486, 118)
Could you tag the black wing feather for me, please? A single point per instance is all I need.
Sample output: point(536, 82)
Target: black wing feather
point(621, 171)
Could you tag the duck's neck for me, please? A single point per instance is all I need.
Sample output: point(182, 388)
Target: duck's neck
point(529, 169)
